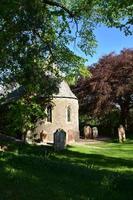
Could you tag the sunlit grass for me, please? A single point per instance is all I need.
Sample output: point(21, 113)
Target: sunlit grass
point(87, 172)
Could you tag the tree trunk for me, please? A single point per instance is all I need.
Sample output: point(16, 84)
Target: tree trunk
point(124, 115)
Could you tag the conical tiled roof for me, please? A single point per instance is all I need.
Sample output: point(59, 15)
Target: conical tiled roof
point(64, 91)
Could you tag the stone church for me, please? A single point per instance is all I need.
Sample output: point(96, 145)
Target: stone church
point(61, 113)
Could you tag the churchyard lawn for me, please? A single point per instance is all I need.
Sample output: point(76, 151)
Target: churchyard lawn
point(102, 171)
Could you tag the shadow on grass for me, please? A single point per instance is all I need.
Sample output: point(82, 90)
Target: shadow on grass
point(38, 173)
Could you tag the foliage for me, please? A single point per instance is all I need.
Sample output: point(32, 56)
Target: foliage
point(76, 74)
point(110, 87)
point(109, 123)
point(20, 116)
point(89, 120)
point(34, 34)
point(37, 32)
point(24, 115)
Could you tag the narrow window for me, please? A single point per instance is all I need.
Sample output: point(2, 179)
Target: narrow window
point(49, 113)
point(68, 114)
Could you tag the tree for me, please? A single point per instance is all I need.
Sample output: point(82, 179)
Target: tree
point(110, 87)
point(34, 34)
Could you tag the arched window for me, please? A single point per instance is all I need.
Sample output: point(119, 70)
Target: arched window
point(49, 113)
point(68, 113)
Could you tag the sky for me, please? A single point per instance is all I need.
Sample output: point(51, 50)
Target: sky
point(109, 40)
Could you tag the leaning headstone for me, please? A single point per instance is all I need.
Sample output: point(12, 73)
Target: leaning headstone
point(59, 139)
point(95, 132)
point(87, 132)
point(121, 134)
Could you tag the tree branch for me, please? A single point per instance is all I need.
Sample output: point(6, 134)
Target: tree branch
point(54, 3)
point(71, 14)
point(47, 44)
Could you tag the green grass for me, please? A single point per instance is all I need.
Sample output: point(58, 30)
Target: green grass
point(102, 171)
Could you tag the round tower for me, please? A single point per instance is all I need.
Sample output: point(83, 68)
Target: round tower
point(62, 113)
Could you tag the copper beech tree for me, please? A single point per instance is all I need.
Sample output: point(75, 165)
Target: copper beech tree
point(110, 87)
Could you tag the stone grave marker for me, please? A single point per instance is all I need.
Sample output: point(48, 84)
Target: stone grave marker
point(59, 139)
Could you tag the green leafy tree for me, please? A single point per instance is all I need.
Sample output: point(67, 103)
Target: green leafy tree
point(34, 34)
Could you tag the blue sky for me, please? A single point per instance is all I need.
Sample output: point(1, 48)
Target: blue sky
point(109, 40)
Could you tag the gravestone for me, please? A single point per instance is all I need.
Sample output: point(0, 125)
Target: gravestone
point(121, 134)
point(59, 139)
point(95, 132)
point(87, 132)
point(70, 137)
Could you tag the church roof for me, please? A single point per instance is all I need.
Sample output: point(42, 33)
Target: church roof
point(12, 96)
point(64, 91)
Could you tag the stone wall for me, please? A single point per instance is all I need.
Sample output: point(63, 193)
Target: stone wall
point(59, 119)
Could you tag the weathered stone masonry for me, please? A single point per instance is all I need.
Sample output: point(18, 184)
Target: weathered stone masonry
point(64, 115)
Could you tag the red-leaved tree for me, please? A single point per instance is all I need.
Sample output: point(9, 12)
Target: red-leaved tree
point(111, 86)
